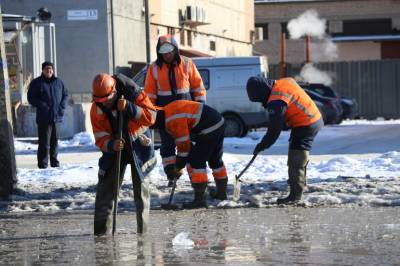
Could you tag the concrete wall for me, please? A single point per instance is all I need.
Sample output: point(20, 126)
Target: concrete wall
point(334, 11)
point(82, 45)
point(129, 33)
point(76, 119)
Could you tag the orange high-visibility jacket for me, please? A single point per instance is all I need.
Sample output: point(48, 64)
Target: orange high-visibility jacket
point(188, 81)
point(301, 110)
point(180, 119)
point(102, 130)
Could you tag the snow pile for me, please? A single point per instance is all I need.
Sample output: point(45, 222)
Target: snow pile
point(81, 140)
point(182, 240)
point(349, 177)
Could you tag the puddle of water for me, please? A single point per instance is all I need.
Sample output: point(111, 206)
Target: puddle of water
point(339, 236)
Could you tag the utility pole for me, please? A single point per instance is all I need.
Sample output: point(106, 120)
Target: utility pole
point(7, 155)
point(147, 22)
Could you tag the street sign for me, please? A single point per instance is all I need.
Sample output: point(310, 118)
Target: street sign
point(82, 14)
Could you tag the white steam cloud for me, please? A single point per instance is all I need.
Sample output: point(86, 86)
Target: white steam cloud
point(309, 23)
point(324, 50)
point(311, 74)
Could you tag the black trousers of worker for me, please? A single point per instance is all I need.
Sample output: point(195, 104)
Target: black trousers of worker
point(105, 195)
point(48, 144)
point(208, 148)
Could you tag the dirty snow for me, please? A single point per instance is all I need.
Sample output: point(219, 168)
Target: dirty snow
point(343, 171)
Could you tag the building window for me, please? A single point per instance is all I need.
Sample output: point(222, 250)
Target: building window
point(189, 37)
point(284, 29)
point(367, 27)
point(212, 45)
point(205, 76)
point(182, 36)
point(170, 30)
point(261, 31)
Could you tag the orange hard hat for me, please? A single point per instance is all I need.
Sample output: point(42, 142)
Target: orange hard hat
point(102, 87)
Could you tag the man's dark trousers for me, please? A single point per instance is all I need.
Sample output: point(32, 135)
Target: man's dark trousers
point(48, 143)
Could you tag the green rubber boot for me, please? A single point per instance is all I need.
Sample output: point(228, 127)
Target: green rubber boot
point(199, 197)
point(297, 168)
point(220, 192)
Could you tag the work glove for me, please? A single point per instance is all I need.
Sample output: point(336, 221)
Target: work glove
point(144, 140)
point(180, 162)
point(173, 173)
point(260, 146)
point(118, 144)
point(121, 104)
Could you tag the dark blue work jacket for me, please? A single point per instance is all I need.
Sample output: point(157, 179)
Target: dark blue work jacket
point(49, 96)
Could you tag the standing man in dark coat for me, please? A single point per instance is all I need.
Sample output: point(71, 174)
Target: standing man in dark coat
point(48, 94)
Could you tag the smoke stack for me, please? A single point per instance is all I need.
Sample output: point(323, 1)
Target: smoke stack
point(308, 42)
point(282, 64)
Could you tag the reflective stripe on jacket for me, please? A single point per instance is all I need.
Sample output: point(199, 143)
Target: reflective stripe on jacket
point(185, 119)
point(102, 130)
point(189, 85)
point(301, 110)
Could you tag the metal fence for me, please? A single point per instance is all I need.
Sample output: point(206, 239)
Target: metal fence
point(374, 84)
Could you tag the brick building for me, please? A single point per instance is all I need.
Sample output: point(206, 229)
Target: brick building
point(360, 29)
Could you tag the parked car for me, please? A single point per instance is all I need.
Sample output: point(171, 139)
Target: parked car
point(225, 80)
point(349, 105)
point(330, 107)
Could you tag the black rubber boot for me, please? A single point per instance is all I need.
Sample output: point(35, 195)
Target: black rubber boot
point(220, 192)
point(293, 197)
point(102, 227)
point(297, 166)
point(199, 197)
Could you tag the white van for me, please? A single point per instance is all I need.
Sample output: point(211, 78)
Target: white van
point(225, 79)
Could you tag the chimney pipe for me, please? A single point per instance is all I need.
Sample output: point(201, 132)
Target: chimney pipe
point(308, 42)
point(282, 64)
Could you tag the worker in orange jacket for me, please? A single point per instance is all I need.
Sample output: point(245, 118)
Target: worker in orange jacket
point(172, 77)
point(287, 103)
point(138, 114)
point(198, 131)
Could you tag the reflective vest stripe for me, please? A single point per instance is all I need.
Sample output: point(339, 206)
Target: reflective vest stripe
point(101, 134)
point(183, 154)
point(161, 91)
point(168, 93)
point(200, 98)
point(139, 131)
point(99, 111)
point(212, 128)
point(220, 173)
point(168, 160)
point(198, 89)
point(199, 112)
point(148, 164)
point(152, 96)
point(186, 60)
point(199, 175)
point(291, 99)
point(183, 115)
point(199, 170)
point(183, 139)
point(155, 75)
point(139, 112)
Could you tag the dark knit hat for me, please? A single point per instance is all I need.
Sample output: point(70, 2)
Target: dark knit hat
point(47, 63)
point(259, 89)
